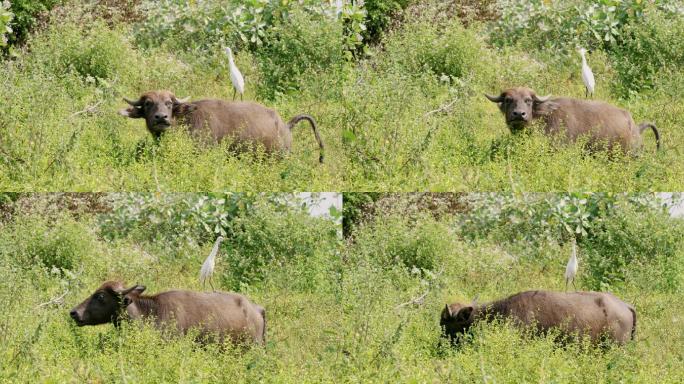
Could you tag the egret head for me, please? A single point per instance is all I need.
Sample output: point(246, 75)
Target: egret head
point(229, 52)
point(582, 51)
point(106, 304)
point(158, 108)
point(520, 106)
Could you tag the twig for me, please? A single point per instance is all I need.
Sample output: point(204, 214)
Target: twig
point(87, 109)
point(55, 300)
point(414, 301)
point(442, 108)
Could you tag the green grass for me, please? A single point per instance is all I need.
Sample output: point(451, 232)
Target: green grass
point(80, 61)
point(418, 118)
point(334, 311)
point(408, 115)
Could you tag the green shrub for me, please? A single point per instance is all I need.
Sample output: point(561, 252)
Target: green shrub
point(642, 247)
point(174, 218)
point(353, 209)
point(93, 52)
point(559, 25)
point(449, 52)
point(25, 17)
point(5, 18)
point(298, 49)
point(379, 14)
point(54, 243)
point(280, 244)
point(180, 25)
point(650, 50)
point(391, 241)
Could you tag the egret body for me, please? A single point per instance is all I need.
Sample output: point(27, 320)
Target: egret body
point(235, 75)
point(571, 268)
point(587, 75)
point(208, 265)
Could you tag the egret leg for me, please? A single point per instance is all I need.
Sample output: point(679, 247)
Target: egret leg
point(212, 285)
point(241, 97)
point(586, 93)
point(573, 284)
point(566, 285)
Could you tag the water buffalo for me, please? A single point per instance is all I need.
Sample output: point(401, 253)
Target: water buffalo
point(598, 315)
point(604, 125)
point(214, 314)
point(247, 123)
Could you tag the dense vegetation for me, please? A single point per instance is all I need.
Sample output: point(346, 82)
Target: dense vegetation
point(406, 263)
point(417, 118)
point(365, 310)
point(65, 246)
point(396, 86)
point(59, 129)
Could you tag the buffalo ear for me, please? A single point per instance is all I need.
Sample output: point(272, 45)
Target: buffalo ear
point(137, 289)
point(182, 107)
point(446, 313)
point(464, 314)
point(132, 112)
point(543, 106)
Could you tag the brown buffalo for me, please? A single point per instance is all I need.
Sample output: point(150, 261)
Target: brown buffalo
point(604, 125)
point(213, 314)
point(598, 315)
point(248, 124)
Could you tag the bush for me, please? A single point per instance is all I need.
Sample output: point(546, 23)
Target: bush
point(273, 241)
point(392, 241)
point(650, 50)
point(353, 209)
point(181, 25)
point(449, 52)
point(174, 218)
point(379, 15)
point(5, 19)
point(25, 16)
point(542, 24)
point(57, 244)
point(95, 53)
point(535, 218)
point(297, 49)
point(641, 247)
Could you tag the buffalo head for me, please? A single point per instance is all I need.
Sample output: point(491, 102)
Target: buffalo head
point(106, 304)
point(158, 108)
point(521, 105)
point(456, 319)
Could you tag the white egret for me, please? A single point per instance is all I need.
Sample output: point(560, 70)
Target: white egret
point(235, 75)
point(587, 75)
point(208, 265)
point(571, 268)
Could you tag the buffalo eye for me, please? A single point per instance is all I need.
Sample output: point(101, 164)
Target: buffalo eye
point(169, 104)
point(528, 101)
point(508, 100)
point(100, 297)
point(148, 103)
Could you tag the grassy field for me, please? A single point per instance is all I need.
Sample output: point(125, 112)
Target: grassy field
point(60, 130)
point(400, 104)
point(419, 119)
point(336, 311)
